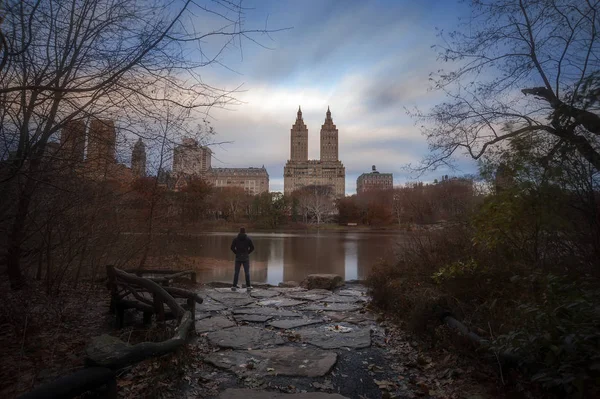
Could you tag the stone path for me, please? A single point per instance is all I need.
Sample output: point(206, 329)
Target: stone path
point(292, 342)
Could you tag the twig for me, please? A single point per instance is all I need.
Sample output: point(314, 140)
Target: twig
point(496, 354)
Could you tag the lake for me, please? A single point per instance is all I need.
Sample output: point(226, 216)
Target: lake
point(289, 256)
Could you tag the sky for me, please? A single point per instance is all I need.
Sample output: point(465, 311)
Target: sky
point(368, 61)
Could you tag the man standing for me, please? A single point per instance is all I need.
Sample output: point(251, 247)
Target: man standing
point(242, 247)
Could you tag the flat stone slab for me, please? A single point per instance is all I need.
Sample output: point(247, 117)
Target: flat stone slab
point(320, 291)
point(254, 318)
point(266, 312)
point(213, 324)
point(231, 299)
point(341, 299)
point(227, 294)
point(281, 302)
point(231, 393)
point(227, 290)
point(354, 291)
point(334, 307)
point(307, 296)
point(294, 323)
point(264, 293)
point(326, 336)
point(352, 317)
point(220, 284)
point(202, 315)
point(244, 337)
point(210, 305)
point(236, 302)
point(284, 290)
point(287, 360)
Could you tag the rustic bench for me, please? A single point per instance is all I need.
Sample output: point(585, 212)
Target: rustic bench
point(166, 275)
point(129, 291)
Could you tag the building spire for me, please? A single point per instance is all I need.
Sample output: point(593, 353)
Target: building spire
point(299, 113)
point(328, 116)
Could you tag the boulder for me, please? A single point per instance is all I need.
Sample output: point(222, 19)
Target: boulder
point(322, 281)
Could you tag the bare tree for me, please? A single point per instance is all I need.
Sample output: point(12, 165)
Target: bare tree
point(316, 202)
point(524, 68)
point(65, 61)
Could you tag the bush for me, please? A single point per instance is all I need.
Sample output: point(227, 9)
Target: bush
point(559, 336)
point(550, 321)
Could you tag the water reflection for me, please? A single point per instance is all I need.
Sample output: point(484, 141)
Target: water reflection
point(283, 257)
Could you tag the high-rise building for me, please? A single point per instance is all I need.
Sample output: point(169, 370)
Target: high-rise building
point(101, 145)
point(374, 181)
point(299, 171)
point(191, 159)
point(299, 140)
point(329, 139)
point(138, 159)
point(72, 141)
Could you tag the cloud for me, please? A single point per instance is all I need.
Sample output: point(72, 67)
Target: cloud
point(366, 60)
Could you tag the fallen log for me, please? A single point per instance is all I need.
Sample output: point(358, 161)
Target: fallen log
point(75, 384)
point(111, 352)
point(506, 359)
point(179, 292)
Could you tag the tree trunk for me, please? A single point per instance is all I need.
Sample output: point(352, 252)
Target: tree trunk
point(17, 233)
point(13, 256)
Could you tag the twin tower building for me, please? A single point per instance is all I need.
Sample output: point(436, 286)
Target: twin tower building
point(299, 171)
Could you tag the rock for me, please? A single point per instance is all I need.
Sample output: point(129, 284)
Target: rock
point(244, 337)
point(202, 315)
point(326, 336)
point(266, 312)
point(354, 290)
point(320, 291)
point(341, 299)
point(288, 361)
point(220, 284)
point(213, 324)
point(289, 284)
point(335, 307)
point(264, 293)
point(210, 305)
point(252, 318)
point(281, 302)
point(295, 323)
point(308, 295)
point(286, 290)
point(326, 386)
point(353, 317)
point(231, 299)
point(236, 302)
point(323, 281)
point(231, 393)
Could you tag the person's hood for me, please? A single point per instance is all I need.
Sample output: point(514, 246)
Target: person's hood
point(242, 236)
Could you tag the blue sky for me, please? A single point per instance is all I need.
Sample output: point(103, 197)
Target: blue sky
point(367, 60)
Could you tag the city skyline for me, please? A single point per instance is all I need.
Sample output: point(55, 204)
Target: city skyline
point(329, 59)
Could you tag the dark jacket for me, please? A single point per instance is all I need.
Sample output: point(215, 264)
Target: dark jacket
point(242, 247)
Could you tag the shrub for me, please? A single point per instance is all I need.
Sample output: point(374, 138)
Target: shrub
point(559, 336)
